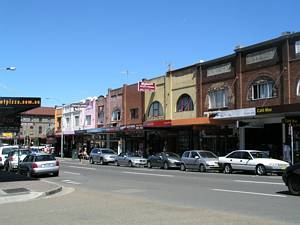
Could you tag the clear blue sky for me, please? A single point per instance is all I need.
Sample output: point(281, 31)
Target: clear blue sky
point(67, 50)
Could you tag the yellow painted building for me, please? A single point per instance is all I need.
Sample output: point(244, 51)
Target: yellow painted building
point(155, 101)
point(58, 118)
point(181, 94)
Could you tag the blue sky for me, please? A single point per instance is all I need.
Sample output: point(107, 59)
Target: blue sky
point(67, 50)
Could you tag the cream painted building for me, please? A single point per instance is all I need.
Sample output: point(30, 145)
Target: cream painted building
point(181, 94)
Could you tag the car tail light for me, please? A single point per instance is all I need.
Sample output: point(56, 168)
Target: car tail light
point(0, 158)
point(57, 163)
point(34, 165)
point(11, 158)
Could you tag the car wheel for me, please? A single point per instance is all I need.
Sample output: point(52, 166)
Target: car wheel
point(149, 165)
point(56, 174)
point(227, 169)
point(101, 162)
point(294, 184)
point(182, 167)
point(28, 174)
point(117, 163)
point(166, 166)
point(202, 168)
point(130, 164)
point(91, 161)
point(260, 170)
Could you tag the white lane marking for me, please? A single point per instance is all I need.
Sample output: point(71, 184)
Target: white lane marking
point(80, 167)
point(70, 182)
point(149, 174)
point(250, 193)
point(71, 173)
point(257, 182)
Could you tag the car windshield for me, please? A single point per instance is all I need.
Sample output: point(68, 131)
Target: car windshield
point(108, 151)
point(258, 155)
point(133, 154)
point(7, 150)
point(207, 155)
point(172, 155)
point(40, 158)
point(21, 152)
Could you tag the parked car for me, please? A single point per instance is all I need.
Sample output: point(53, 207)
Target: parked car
point(201, 160)
point(14, 157)
point(102, 156)
point(4, 150)
point(291, 178)
point(164, 160)
point(38, 164)
point(130, 159)
point(251, 160)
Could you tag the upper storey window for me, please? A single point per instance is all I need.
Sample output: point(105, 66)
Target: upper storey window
point(185, 103)
point(218, 99)
point(297, 48)
point(298, 88)
point(262, 88)
point(155, 110)
point(116, 115)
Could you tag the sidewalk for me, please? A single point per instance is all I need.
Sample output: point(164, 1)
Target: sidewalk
point(15, 187)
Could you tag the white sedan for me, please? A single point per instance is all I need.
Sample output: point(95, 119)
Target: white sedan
point(251, 160)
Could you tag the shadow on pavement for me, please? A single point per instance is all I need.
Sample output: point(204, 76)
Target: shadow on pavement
point(285, 193)
point(12, 177)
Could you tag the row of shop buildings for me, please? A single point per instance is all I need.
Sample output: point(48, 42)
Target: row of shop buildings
point(247, 100)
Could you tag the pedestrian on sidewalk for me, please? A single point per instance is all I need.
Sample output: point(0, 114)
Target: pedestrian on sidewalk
point(80, 154)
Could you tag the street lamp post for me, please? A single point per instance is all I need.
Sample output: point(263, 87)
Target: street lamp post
point(61, 143)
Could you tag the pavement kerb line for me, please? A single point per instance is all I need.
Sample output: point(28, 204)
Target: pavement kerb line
point(53, 191)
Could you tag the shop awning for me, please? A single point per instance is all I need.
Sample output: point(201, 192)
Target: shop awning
point(197, 121)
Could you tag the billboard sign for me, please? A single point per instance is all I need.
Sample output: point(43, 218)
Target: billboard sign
point(145, 86)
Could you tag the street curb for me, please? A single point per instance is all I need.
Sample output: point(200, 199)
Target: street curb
point(52, 192)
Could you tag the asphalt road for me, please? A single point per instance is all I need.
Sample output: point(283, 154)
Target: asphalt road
point(125, 195)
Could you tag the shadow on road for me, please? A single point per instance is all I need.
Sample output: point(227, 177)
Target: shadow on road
point(284, 193)
point(12, 177)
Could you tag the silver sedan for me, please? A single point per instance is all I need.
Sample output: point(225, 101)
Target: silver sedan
point(128, 159)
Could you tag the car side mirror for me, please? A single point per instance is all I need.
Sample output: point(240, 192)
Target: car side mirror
point(197, 157)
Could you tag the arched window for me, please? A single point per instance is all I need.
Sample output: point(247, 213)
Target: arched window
point(116, 115)
point(298, 88)
point(155, 109)
point(185, 103)
point(263, 88)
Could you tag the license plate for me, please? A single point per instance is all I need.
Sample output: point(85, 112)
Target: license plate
point(48, 165)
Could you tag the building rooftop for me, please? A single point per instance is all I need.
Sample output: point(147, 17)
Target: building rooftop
point(41, 111)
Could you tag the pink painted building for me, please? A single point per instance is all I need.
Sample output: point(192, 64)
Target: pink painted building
point(88, 118)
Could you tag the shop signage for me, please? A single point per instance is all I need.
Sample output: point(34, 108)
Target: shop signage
point(248, 112)
point(157, 123)
point(11, 101)
point(145, 86)
point(131, 127)
point(7, 134)
point(295, 121)
point(263, 110)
